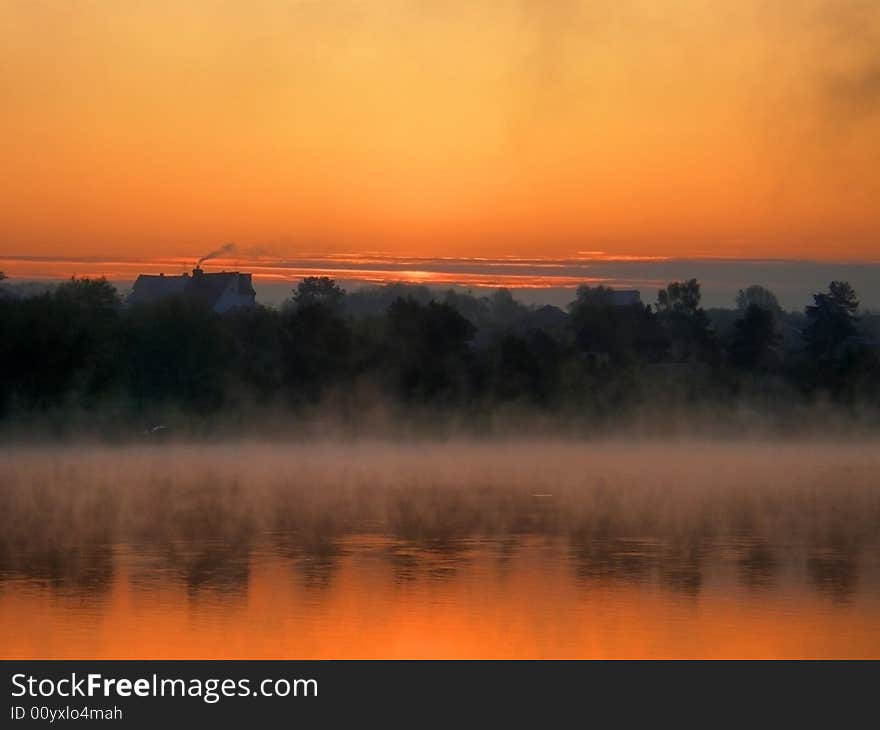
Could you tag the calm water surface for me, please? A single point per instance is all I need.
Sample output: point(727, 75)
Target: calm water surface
point(444, 551)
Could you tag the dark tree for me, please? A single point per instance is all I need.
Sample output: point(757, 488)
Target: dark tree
point(686, 323)
point(257, 355)
point(427, 349)
point(681, 298)
point(593, 296)
point(831, 322)
point(176, 352)
point(756, 342)
point(504, 309)
point(524, 367)
point(756, 295)
point(373, 301)
point(475, 309)
point(316, 342)
point(76, 345)
point(60, 345)
point(94, 307)
point(624, 333)
point(318, 290)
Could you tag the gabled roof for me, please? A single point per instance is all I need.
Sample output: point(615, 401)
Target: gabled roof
point(201, 286)
point(208, 288)
point(153, 288)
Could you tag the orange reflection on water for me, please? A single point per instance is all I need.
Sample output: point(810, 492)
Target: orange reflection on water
point(441, 550)
point(486, 607)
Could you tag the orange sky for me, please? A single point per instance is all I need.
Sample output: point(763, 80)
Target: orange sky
point(441, 127)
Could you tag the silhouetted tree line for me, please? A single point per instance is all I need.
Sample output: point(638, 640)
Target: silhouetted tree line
point(79, 345)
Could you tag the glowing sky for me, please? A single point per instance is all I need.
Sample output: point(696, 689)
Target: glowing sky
point(534, 128)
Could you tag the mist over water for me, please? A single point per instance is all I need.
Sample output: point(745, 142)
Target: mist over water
point(550, 549)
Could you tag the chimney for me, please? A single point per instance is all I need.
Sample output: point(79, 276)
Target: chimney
point(197, 271)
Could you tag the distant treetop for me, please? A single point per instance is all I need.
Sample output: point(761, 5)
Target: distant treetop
point(756, 295)
point(318, 290)
point(680, 297)
point(831, 321)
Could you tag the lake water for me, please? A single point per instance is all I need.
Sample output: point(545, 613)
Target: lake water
point(427, 550)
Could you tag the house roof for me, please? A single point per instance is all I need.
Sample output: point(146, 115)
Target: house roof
point(208, 288)
point(201, 286)
point(153, 288)
point(625, 297)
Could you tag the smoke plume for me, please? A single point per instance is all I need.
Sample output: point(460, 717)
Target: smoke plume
point(227, 248)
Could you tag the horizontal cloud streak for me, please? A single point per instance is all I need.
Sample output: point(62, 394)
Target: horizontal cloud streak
point(541, 279)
